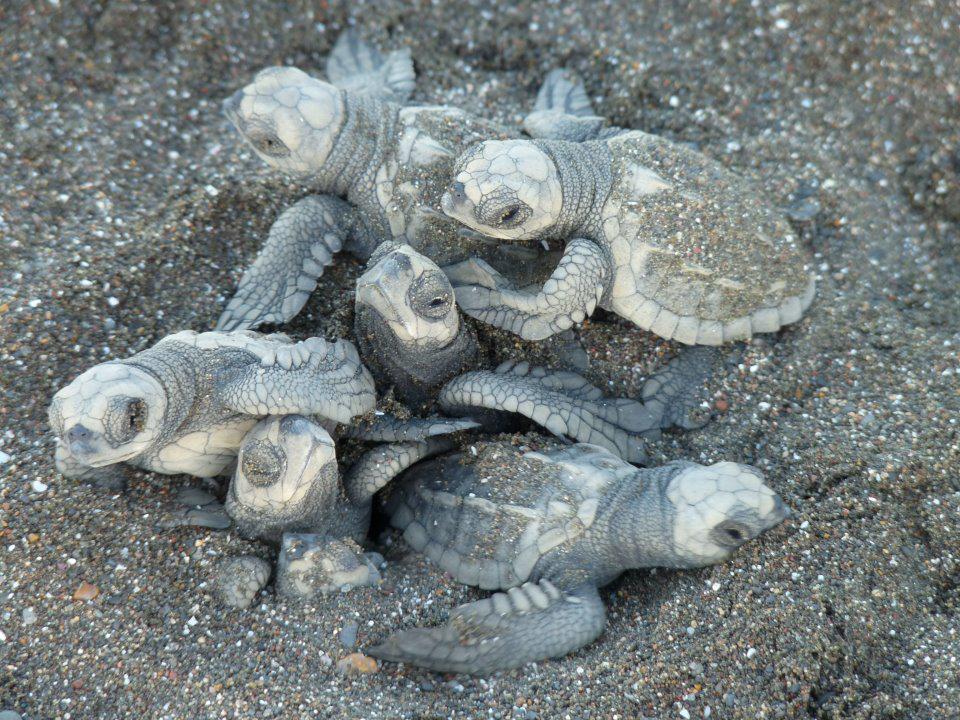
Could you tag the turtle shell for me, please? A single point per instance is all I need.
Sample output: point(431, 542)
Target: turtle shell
point(487, 520)
point(701, 255)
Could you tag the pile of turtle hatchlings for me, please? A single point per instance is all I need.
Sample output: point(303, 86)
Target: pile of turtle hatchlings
point(449, 211)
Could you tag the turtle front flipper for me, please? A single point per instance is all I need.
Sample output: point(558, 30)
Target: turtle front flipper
point(359, 68)
point(568, 297)
point(561, 401)
point(301, 243)
point(312, 565)
point(311, 377)
point(197, 508)
point(534, 621)
point(562, 110)
point(376, 467)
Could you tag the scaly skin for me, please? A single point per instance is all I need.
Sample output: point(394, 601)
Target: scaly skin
point(288, 490)
point(407, 324)
point(568, 406)
point(388, 161)
point(657, 233)
point(184, 405)
point(564, 523)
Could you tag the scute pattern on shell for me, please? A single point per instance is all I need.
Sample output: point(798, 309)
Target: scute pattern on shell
point(482, 526)
point(700, 255)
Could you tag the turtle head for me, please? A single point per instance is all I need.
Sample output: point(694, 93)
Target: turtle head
point(110, 414)
point(411, 295)
point(283, 461)
point(505, 189)
point(717, 509)
point(290, 119)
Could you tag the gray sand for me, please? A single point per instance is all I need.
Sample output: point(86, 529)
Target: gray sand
point(129, 209)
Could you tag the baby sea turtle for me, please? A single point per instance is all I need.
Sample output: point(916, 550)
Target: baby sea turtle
point(185, 404)
point(656, 232)
point(288, 489)
point(409, 331)
point(550, 528)
point(288, 479)
point(407, 325)
point(382, 167)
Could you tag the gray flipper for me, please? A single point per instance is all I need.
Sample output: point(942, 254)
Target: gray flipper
point(390, 428)
point(569, 383)
point(197, 508)
point(312, 377)
point(358, 67)
point(568, 297)
point(562, 110)
point(617, 424)
point(301, 243)
point(377, 467)
point(531, 622)
point(110, 477)
point(677, 392)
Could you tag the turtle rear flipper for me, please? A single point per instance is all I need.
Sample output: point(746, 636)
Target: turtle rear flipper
point(531, 622)
point(551, 399)
point(562, 110)
point(676, 394)
point(358, 67)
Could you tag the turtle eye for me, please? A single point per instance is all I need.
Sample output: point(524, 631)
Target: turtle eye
point(731, 534)
point(269, 144)
point(126, 418)
point(431, 296)
point(136, 415)
point(262, 463)
point(513, 215)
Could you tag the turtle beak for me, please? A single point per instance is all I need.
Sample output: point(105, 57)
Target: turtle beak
point(388, 278)
point(80, 440)
point(231, 108)
point(385, 285)
point(453, 200)
point(780, 512)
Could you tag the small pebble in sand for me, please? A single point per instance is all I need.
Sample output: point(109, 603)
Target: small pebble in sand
point(38, 487)
point(29, 616)
point(86, 591)
point(357, 664)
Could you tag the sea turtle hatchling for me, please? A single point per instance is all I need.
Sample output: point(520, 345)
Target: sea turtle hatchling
point(409, 331)
point(288, 489)
point(381, 166)
point(185, 404)
point(407, 326)
point(550, 528)
point(656, 232)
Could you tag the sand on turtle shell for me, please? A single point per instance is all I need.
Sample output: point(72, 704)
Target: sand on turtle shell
point(129, 209)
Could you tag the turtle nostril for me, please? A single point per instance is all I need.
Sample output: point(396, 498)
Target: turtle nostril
point(78, 433)
point(458, 191)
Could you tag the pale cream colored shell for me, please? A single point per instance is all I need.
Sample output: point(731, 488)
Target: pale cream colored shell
point(700, 255)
